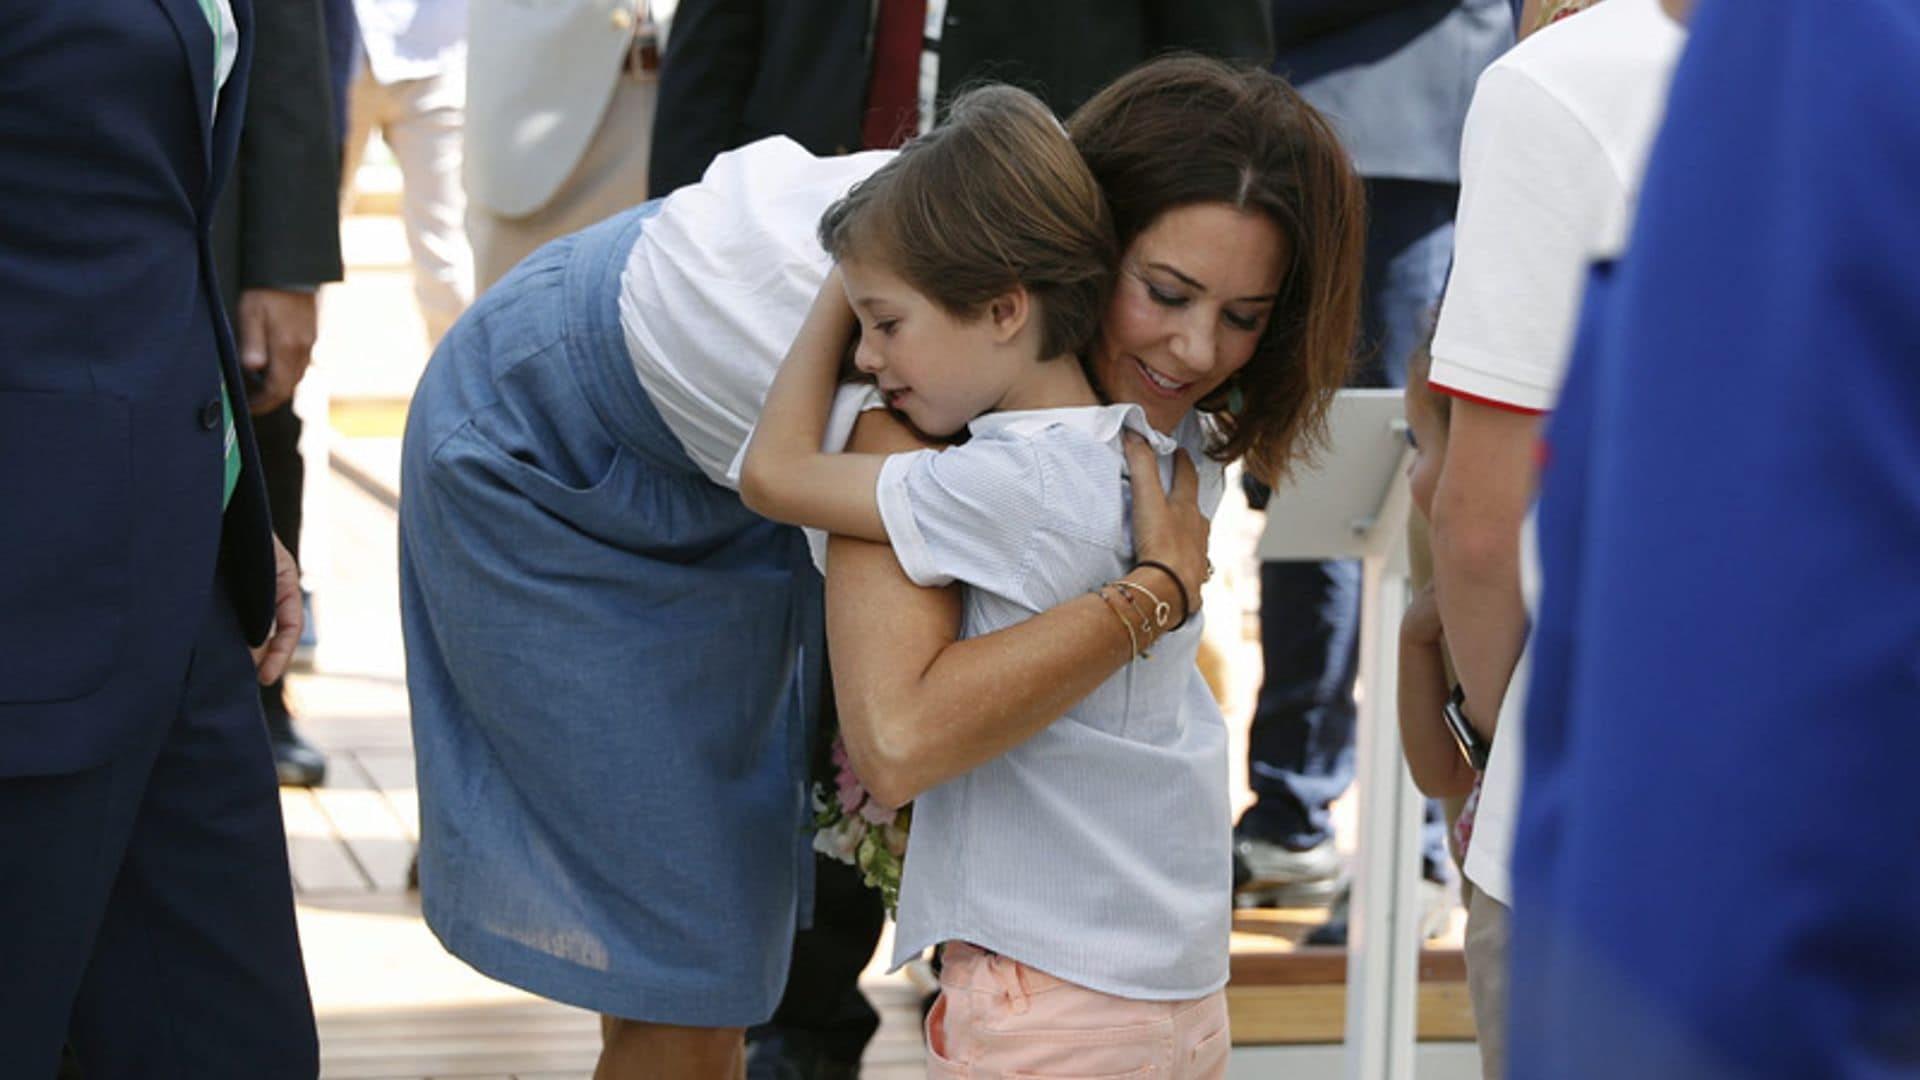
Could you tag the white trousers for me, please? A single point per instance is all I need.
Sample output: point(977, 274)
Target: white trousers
point(422, 121)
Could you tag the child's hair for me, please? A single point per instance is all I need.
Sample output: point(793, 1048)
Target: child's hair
point(995, 197)
point(1185, 131)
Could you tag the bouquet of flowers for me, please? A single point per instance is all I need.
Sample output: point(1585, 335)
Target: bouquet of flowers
point(852, 826)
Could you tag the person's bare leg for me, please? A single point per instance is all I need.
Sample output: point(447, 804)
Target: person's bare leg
point(634, 1050)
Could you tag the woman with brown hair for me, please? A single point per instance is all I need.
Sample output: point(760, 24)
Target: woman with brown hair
point(614, 665)
point(1120, 806)
point(1080, 873)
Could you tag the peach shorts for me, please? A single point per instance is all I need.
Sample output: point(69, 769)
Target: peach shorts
point(998, 1019)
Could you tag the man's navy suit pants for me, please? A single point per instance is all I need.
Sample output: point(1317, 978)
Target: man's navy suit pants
point(146, 909)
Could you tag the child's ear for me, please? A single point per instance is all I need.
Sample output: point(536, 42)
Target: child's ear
point(1010, 312)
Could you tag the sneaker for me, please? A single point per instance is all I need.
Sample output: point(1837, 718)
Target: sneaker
point(1436, 904)
point(1279, 876)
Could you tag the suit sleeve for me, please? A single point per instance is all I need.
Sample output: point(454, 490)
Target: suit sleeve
point(712, 56)
point(1230, 29)
point(289, 166)
point(1296, 22)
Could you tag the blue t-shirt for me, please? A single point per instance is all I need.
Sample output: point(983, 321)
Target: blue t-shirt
point(1717, 862)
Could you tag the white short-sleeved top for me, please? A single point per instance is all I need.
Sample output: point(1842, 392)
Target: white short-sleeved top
point(1097, 851)
point(718, 284)
point(1556, 141)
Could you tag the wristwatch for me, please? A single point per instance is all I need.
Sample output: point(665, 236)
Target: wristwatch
point(1473, 746)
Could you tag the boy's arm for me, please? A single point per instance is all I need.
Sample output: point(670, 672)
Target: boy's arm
point(1432, 756)
point(786, 476)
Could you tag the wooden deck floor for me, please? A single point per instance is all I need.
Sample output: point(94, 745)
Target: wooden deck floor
point(393, 1005)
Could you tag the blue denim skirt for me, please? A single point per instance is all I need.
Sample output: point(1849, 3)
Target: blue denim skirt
point(614, 668)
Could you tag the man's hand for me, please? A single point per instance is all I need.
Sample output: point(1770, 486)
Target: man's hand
point(277, 330)
point(270, 660)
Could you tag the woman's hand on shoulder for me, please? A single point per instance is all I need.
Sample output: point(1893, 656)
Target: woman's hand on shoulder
point(1168, 526)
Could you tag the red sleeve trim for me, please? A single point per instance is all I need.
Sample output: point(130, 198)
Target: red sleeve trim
point(1504, 406)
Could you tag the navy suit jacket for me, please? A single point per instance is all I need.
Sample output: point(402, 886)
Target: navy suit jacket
point(113, 349)
point(1394, 76)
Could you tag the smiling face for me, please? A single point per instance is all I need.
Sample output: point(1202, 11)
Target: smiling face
point(1195, 291)
point(938, 369)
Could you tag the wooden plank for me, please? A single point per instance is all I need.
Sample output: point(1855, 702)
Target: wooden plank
point(392, 772)
point(1279, 1014)
point(457, 1065)
point(341, 1047)
point(363, 819)
point(332, 732)
point(319, 859)
point(541, 1019)
point(1328, 967)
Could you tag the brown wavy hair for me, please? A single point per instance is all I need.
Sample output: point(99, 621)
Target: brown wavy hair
point(993, 198)
point(1185, 130)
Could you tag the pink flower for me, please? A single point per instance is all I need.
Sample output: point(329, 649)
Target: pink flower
point(846, 785)
point(851, 794)
point(876, 812)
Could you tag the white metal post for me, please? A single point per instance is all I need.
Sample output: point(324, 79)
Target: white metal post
point(1354, 503)
point(1383, 930)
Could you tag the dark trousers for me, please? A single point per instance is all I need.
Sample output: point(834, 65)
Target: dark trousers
point(823, 1016)
point(146, 908)
point(1300, 746)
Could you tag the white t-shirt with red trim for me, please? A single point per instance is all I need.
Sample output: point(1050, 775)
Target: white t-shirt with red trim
point(1550, 162)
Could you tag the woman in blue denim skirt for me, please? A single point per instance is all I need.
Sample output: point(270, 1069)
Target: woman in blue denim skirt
point(615, 667)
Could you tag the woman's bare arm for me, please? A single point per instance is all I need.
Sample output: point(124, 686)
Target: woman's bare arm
point(918, 707)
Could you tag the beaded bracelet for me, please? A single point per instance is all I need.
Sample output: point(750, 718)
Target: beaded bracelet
point(1133, 640)
point(1186, 602)
point(1161, 609)
point(1146, 621)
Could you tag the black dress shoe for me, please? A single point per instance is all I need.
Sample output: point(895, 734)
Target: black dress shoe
point(789, 1055)
point(298, 763)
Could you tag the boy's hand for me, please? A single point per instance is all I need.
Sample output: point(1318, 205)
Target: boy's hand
point(1421, 623)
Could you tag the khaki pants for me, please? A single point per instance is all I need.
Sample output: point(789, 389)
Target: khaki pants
point(1489, 926)
point(422, 121)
